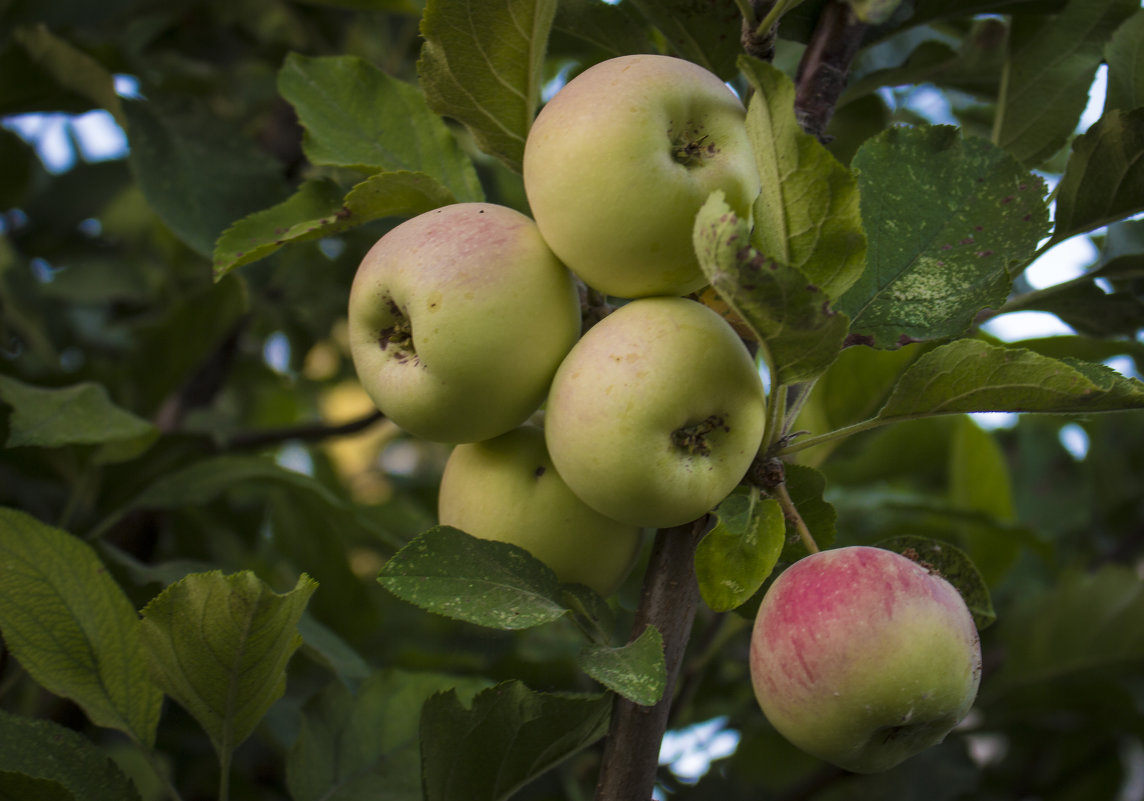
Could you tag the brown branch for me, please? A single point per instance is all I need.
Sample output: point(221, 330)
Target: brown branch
point(825, 64)
point(669, 600)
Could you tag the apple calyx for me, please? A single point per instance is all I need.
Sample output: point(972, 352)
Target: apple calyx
point(691, 151)
point(398, 336)
point(693, 438)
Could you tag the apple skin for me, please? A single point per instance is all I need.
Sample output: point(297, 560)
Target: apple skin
point(863, 658)
point(618, 163)
point(656, 413)
point(458, 319)
point(506, 489)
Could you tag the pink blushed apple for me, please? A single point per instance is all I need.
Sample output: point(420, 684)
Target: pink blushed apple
point(863, 657)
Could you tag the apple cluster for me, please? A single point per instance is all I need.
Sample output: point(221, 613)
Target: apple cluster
point(465, 320)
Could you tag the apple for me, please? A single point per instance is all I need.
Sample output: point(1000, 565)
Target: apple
point(863, 657)
point(618, 163)
point(458, 319)
point(656, 413)
point(506, 489)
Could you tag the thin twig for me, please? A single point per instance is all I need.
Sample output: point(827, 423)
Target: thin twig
point(792, 514)
point(305, 432)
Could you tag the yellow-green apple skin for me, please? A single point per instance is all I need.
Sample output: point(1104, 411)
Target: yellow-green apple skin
point(458, 319)
point(656, 413)
point(863, 657)
point(506, 489)
point(618, 163)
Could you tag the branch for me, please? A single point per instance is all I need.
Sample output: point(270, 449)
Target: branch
point(822, 72)
point(306, 432)
point(669, 600)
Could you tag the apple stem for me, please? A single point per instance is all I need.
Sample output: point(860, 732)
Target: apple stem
point(791, 511)
point(668, 601)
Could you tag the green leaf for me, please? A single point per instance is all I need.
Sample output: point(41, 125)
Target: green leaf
point(617, 29)
point(71, 626)
point(197, 173)
point(354, 115)
point(493, 584)
point(979, 482)
point(806, 487)
point(509, 736)
point(953, 565)
point(706, 33)
point(945, 219)
point(364, 746)
point(1125, 56)
point(592, 611)
point(1086, 622)
point(636, 671)
point(57, 757)
point(971, 376)
point(81, 414)
point(1086, 307)
point(481, 64)
point(1051, 64)
point(73, 69)
point(738, 554)
point(1104, 180)
point(807, 214)
point(318, 210)
point(22, 787)
point(218, 644)
point(791, 317)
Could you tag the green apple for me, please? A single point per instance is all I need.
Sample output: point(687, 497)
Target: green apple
point(618, 163)
point(506, 489)
point(656, 413)
point(458, 319)
point(863, 657)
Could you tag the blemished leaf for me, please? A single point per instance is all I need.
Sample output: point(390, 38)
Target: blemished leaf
point(636, 671)
point(945, 219)
point(1045, 83)
point(54, 756)
point(1125, 57)
point(971, 376)
point(738, 554)
point(1086, 307)
point(72, 627)
point(806, 487)
point(1104, 180)
point(81, 414)
point(16, 786)
point(364, 746)
point(706, 33)
point(1087, 621)
point(354, 115)
point(318, 210)
point(218, 645)
point(953, 565)
point(807, 214)
point(72, 68)
point(481, 64)
point(979, 481)
point(790, 317)
point(508, 736)
point(494, 584)
point(197, 173)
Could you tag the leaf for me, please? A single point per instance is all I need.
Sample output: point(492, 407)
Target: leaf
point(807, 214)
point(591, 610)
point(1087, 621)
point(509, 736)
point(1086, 307)
point(617, 29)
point(874, 12)
point(22, 787)
point(1044, 86)
point(945, 218)
point(72, 68)
point(198, 174)
point(494, 584)
point(328, 649)
point(71, 626)
point(57, 757)
point(738, 554)
point(81, 414)
point(218, 645)
point(1125, 56)
point(354, 115)
point(806, 487)
point(791, 317)
point(364, 746)
point(1104, 180)
point(953, 565)
point(972, 376)
point(636, 671)
point(706, 33)
point(481, 64)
